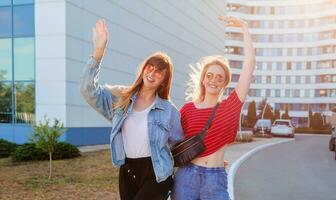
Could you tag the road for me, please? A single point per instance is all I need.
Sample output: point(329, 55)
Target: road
point(304, 169)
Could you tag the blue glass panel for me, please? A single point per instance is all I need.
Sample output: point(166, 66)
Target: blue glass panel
point(18, 2)
point(5, 2)
point(24, 59)
point(24, 102)
point(23, 20)
point(5, 21)
point(5, 59)
point(5, 102)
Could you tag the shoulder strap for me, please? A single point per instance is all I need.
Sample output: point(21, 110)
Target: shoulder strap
point(207, 126)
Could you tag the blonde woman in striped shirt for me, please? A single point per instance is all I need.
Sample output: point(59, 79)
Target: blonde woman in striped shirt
point(205, 177)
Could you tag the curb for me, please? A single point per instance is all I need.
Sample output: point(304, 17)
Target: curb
point(312, 134)
point(237, 163)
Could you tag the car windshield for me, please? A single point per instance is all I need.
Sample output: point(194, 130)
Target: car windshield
point(281, 123)
point(263, 123)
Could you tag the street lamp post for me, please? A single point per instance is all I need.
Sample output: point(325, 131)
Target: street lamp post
point(240, 122)
point(262, 118)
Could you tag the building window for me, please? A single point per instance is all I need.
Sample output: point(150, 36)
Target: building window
point(279, 66)
point(17, 62)
point(20, 2)
point(289, 65)
point(288, 93)
point(235, 77)
point(23, 20)
point(298, 65)
point(296, 93)
point(268, 79)
point(268, 92)
point(307, 93)
point(307, 79)
point(257, 79)
point(288, 79)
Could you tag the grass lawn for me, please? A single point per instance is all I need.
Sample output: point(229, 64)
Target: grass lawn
point(91, 176)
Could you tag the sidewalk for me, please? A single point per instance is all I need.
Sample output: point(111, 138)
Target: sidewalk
point(84, 149)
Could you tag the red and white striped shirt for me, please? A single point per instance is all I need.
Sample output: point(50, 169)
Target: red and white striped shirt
point(224, 126)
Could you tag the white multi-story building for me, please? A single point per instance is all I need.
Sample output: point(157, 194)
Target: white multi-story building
point(295, 45)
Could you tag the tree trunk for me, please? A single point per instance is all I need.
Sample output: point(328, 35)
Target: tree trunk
point(50, 158)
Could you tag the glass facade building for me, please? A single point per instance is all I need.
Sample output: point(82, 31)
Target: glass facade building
point(17, 62)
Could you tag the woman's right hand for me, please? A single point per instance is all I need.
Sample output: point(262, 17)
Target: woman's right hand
point(99, 37)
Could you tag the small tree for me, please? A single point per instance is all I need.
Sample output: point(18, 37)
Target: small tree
point(310, 117)
point(262, 104)
point(276, 114)
point(251, 113)
point(317, 122)
point(285, 115)
point(268, 114)
point(46, 137)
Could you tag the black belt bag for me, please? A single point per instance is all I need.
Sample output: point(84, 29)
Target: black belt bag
point(184, 152)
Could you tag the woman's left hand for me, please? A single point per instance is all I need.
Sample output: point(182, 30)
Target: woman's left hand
point(226, 163)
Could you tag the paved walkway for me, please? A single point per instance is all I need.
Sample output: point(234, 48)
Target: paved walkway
point(93, 148)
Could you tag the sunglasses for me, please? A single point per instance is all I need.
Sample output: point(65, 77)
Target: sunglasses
point(157, 72)
point(218, 78)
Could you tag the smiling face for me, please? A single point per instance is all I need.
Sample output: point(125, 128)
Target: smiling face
point(153, 77)
point(214, 79)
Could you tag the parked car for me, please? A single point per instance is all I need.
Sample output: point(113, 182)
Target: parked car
point(283, 127)
point(262, 125)
point(332, 139)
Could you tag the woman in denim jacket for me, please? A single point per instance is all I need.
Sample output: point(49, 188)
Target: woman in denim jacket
point(144, 122)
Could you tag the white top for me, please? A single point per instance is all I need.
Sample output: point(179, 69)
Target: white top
point(135, 134)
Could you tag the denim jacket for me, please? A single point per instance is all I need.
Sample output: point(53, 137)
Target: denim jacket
point(164, 126)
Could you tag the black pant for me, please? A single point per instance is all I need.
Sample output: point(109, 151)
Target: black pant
point(137, 181)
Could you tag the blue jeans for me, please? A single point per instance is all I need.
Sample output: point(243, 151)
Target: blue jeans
point(194, 182)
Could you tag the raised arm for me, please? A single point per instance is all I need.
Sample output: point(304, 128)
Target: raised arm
point(100, 97)
point(246, 74)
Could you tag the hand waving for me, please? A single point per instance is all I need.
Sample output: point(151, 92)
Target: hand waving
point(100, 38)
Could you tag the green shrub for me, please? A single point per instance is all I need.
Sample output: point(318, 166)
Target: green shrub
point(29, 152)
point(246, 137)
point(6, 148)
point(65, 150)
point(260, 135)
point(313, 131)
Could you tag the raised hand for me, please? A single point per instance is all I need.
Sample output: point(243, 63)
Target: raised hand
point(246, 73)
point(233, 21)
point(100, 38)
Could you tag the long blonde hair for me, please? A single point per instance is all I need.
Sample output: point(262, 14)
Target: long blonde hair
point(205, 63)
point(160, 60)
